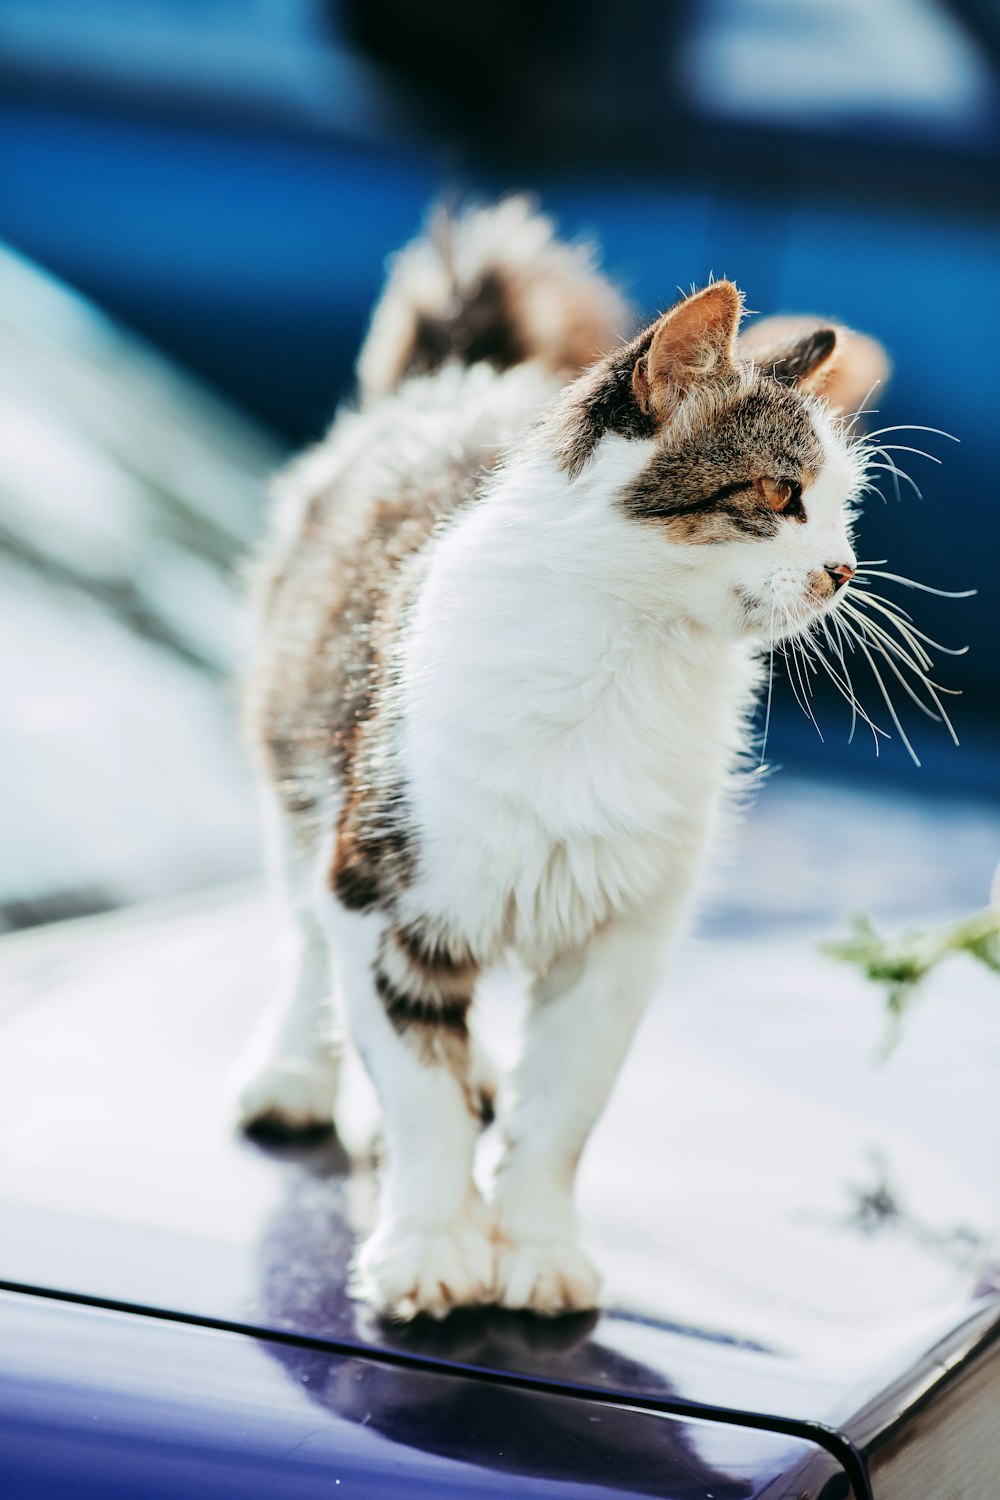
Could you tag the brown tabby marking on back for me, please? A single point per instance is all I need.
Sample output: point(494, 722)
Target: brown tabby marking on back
point(373, 853)
point(334, 604)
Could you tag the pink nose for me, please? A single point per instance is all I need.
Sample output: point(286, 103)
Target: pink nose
point(839, 573)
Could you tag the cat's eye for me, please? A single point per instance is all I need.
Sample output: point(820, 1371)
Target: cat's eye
point(784, 496)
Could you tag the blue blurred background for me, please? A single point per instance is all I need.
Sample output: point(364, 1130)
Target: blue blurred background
point(226, 178)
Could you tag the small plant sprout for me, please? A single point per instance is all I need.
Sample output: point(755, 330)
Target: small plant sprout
point(902, 963)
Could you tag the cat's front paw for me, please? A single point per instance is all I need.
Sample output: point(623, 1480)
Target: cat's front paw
point(548, 1277)
point(290, 1096)
point(404, 1270)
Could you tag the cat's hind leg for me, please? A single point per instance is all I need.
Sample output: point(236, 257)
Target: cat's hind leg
point(291, 1076)
point(406, 1009)
point(582, 1017)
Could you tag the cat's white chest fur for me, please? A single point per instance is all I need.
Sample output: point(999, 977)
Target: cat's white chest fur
point(563, 751)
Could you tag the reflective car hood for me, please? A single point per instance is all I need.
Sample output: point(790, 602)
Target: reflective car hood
point(790, 1227)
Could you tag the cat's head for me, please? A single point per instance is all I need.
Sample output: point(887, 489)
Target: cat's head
point(744, 475)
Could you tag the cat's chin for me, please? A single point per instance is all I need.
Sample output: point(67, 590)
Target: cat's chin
point(797, 625)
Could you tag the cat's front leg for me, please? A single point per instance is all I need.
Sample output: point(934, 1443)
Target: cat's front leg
point(583, 1016)
point(407, 1014)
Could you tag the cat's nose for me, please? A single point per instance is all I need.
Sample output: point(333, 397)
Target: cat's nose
point(839, 574)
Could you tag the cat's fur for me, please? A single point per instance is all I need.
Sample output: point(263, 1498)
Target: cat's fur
point(509, 622)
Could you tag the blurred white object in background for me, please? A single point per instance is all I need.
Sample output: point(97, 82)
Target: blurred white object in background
point(902, 63)
point(128, 496)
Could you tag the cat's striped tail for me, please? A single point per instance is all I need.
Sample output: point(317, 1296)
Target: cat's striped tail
point(493, 285)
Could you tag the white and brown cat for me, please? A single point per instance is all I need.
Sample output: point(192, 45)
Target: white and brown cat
point(510, 619)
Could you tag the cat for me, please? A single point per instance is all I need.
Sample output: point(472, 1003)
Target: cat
point(510, 621)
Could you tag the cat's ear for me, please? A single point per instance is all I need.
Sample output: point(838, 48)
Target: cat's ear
point(691, 345)
point(805, 360)
point(840, 365)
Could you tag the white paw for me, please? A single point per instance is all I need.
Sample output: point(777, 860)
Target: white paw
point(548, 1277)
point(289, 1096)
point(402, 1270)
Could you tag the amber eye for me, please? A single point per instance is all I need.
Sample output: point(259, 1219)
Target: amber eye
point(784, 496)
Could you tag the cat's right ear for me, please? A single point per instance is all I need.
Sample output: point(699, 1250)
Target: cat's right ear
point(691, 345)
point(842, 366)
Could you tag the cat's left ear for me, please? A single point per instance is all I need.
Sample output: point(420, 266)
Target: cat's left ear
point(840, 365)
point(691, 345)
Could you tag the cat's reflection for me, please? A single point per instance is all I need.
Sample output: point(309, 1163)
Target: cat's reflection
point(516, 1430)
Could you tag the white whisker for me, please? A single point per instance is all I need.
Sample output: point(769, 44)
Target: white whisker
point(890, 468)
point(770, 690)
point(925, 588)
point(921, 662)
point(926, 662)
point(887, 649)
point(915, 427)
point(808, 705)
point(852, 696)
point(845, 689)
point(792, 662)
point(904, 620)
point(902, 448)
point(862, 410)
point(882, 688)
point(799, 691)
point(798, 644)
point(843, 638)
point(931, 687)
point(869, 593)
